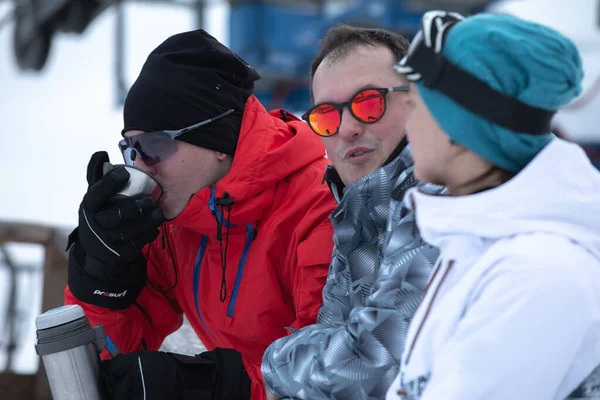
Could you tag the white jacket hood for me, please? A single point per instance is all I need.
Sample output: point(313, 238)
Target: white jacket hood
point(558, 192)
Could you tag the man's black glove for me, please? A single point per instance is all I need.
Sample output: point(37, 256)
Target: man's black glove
point(106, 265)
point(155, 375)
point(114, 232)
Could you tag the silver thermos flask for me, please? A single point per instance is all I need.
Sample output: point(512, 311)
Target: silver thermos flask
point(70, 350)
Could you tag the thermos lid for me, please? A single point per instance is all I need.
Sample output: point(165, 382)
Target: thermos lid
point(59, 316)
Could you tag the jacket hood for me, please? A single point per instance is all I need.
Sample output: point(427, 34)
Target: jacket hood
point(271, 147)
point(557, 192)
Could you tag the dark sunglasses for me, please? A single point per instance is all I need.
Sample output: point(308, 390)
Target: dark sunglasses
point(154, 147)
point(367, 105)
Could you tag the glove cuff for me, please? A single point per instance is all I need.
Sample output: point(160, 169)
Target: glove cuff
point(231, 379)
point(197, 377)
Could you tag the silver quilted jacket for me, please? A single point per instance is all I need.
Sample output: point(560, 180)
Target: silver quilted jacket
point(379, 269)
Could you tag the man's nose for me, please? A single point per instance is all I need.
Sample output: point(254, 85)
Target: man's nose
point(350, 128)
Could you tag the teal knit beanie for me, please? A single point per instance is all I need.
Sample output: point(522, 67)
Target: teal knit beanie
point(524, 60)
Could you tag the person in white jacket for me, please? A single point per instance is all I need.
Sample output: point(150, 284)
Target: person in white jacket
point(512, 310)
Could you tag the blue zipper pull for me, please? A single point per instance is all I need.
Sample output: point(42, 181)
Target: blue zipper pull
point(112, 348)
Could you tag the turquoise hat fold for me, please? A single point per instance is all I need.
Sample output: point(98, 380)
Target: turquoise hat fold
point(522, 59)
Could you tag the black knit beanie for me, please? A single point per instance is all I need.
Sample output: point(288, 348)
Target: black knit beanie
point(187, 79)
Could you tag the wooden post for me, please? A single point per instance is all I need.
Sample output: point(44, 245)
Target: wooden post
point(54, 241)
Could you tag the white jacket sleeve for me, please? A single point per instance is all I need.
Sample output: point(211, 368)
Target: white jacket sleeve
point(519, 335)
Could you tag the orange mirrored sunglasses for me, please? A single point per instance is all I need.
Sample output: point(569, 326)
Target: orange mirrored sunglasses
point(367, 106)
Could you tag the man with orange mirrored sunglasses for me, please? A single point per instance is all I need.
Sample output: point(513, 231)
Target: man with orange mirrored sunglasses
point(367, 105)
point(380, 264)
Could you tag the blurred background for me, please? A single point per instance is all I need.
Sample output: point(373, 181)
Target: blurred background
point(66, 66)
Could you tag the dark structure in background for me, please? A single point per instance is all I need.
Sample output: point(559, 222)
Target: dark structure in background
point(53, 240)
point(277, 37)
point(37, 22)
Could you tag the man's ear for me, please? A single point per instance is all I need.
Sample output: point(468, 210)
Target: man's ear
point(221, 156)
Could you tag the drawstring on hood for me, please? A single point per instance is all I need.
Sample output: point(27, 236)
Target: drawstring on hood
point(222, 202)
point(217, 206)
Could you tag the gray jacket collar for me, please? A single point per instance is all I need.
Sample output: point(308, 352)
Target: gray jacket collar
point(401, 154)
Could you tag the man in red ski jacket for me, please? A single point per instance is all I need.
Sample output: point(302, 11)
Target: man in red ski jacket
point(239, 242)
